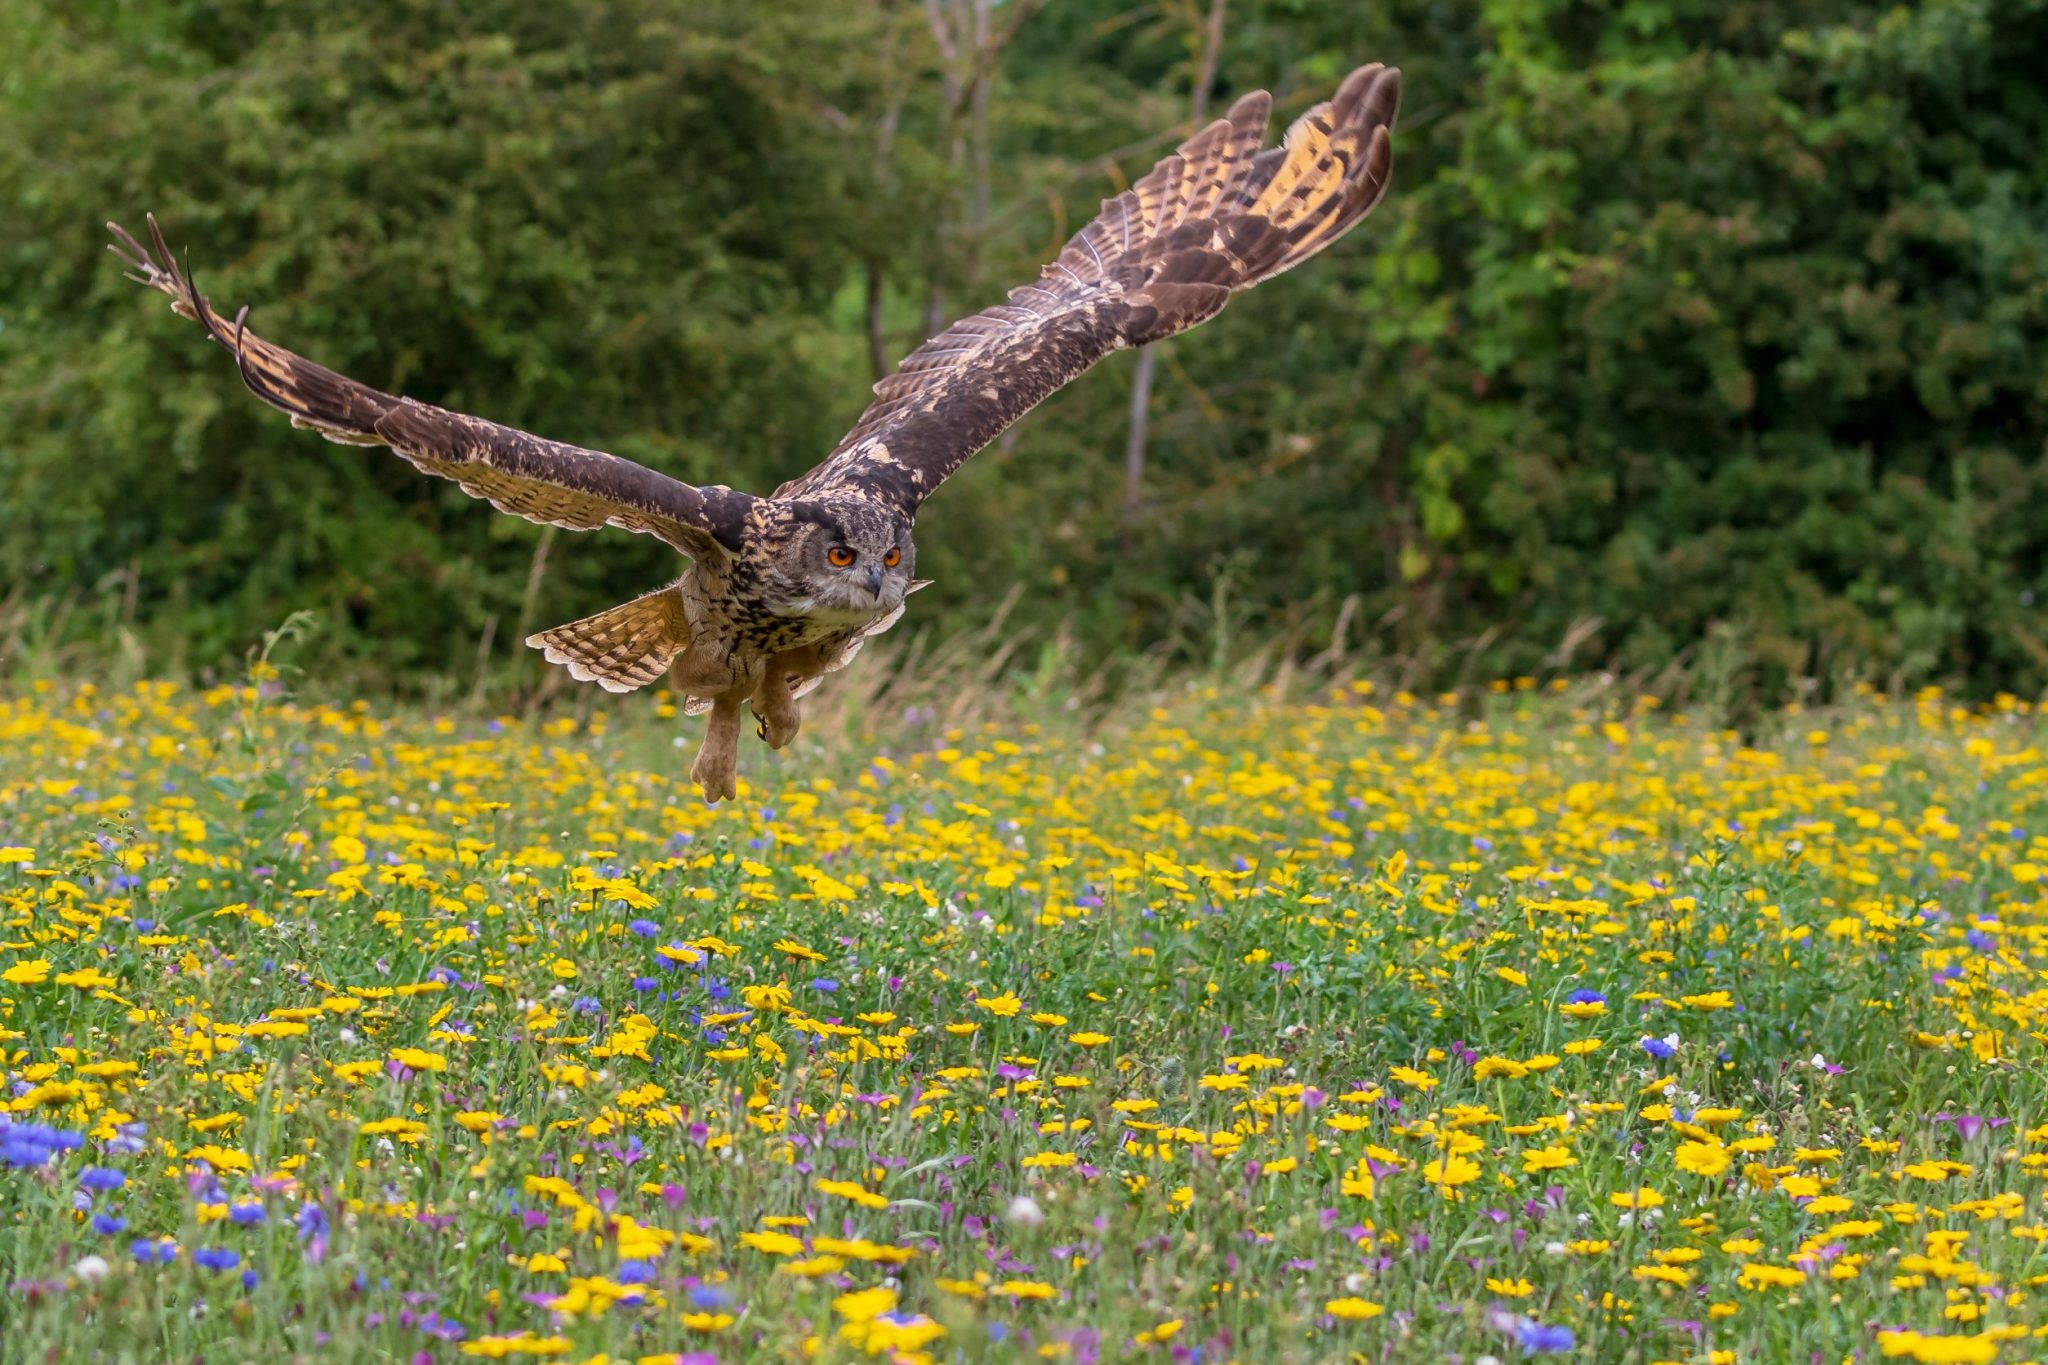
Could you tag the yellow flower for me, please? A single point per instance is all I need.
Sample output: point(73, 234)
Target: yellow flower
point(859, 1194)
point(707, 1322)
point(792, 948)
point(1352, 1309)
point(1939, 1350)
point(1026, 1289)
point(865, 1304)
point(1538, 1159)
point(521, 1344)
point(1486, 1068)
point(33, 972)
point(772, 1243)
point(1702, 1158)
point(1004, 1006)
point(419, 1060)
point(1449, 1172)
point(1087, 1039)
point(1413, 1079)
point(1755, 1276)
point(1643, 1198)
point(1712, 1000)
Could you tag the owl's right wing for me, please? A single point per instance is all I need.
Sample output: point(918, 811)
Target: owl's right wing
point(1217, 216)
point(526, 475)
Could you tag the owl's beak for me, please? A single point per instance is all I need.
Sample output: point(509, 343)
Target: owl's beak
point(874, 580)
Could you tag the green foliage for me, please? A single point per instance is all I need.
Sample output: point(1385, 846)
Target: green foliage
point(1684, 321)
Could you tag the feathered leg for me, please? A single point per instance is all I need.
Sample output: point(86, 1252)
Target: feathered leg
point(773, 703)
point(716, 770)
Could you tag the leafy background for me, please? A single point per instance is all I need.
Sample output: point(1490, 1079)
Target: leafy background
point(1696, 334)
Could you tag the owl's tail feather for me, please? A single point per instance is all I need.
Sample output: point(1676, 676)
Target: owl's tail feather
point(627, 647)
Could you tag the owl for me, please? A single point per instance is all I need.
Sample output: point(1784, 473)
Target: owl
point(779, 591)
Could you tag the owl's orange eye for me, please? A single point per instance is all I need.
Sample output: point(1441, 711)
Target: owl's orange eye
point(893, 558)
point(840, 556)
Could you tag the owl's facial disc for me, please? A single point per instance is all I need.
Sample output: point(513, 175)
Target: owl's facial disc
point(861, 568)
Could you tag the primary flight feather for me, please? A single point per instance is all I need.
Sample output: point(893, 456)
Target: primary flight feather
point(782, 590)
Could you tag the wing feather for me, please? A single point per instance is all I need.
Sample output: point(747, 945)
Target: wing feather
point(516, 472)
point(1217, 216)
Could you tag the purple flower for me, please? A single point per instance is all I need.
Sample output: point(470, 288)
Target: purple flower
point(216, 1258)
point(150, 1251)
point(246, 1215)
point(100, 1179)
point(1967, 1126)
point(1660, 1048)
point(1585, 998)
point(643, 928)
point(107, 1224)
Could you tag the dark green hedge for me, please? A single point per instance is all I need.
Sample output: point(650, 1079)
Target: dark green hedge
point(1689, 326)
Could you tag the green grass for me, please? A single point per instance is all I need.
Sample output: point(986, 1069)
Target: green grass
point(1238, 1027)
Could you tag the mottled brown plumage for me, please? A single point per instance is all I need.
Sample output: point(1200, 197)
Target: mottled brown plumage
point(785, 589)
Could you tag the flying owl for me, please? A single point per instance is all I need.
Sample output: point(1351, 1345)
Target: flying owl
point(781, 590)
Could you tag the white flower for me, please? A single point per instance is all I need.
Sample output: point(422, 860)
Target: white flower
point(90, 1269)
point(1024, 1212)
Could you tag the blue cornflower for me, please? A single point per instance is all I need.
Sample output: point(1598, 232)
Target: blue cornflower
point(1537, 1337)
point(644, 984)
point(35, 1144)
point(1660, 1048)
point(635, 1272)
point(246, 1215)
point(1585, 998)
point(215, 1258)
point(150, 1251)
point(311, 1221)
point(824, 984)
point(100, 1179)
point(643, 928)
point(107, 1224)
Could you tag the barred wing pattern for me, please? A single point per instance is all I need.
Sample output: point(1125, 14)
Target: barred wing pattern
point(1218, 216)
point(526, 475)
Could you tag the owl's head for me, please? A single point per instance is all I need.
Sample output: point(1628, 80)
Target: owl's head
point(853, 559)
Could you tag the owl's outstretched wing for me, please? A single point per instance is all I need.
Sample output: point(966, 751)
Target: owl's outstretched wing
point(541, 480)
point(1217, 216)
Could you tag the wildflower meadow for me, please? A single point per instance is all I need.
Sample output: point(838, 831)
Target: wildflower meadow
point(1539, 1023)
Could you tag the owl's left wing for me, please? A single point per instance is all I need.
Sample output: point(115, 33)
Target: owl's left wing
point(1217, 216)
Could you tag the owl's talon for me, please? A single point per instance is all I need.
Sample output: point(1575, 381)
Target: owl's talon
point(761, 728)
